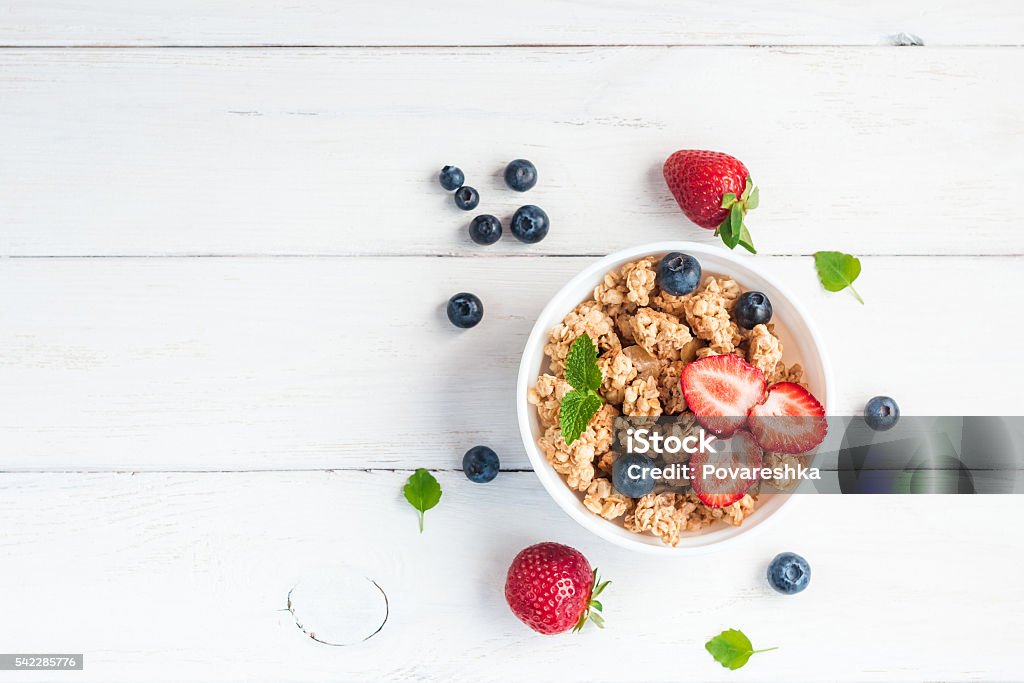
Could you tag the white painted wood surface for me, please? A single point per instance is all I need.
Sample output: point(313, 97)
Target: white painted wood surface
point(176, 577)
point(227, 259)
point(306, 363)
point(530, 22)
point(183, 152)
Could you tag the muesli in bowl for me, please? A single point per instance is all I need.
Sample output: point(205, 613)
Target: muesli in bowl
point(673, 339)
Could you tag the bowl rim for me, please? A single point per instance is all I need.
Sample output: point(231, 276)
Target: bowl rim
point(527, 375)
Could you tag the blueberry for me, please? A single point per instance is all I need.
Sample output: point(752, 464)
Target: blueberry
point(451, 178)
point(480, 464)
point(466, 198)
point(485, 229)
point(631, 475)
point(520, 175)
point(530, 224)
point(678, 273)
point(465, 310)
point(789, 573)
point(752, 309)
point(881, 413)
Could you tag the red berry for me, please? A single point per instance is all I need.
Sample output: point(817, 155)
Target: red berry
point(551, 588)
point(721, 390)
point(741, 451)
point(709, 187)
point(789, 420)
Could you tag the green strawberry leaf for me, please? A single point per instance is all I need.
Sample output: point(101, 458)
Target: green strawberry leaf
point(594, 606)
point(732, 226)
point(746, 241)
point(753, 200)
point(837, 271)
point(736, 218)
point(581, 368)
point(422, 491)
point(732, 230)
point(577, 409)
point(732, 649)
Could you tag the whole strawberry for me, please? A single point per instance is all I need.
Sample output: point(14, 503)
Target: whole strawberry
point(714, 190)
point(552, 589)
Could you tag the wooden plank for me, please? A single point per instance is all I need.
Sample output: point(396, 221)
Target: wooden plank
point(281, 363)
point(156, 152)
point(460, 22)
point(185, 577)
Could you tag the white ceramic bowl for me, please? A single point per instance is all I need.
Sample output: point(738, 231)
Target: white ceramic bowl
point(792, 325)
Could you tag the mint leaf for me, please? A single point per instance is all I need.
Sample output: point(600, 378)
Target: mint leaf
point(732, 649)
point(584, 374)
point(422, 491)
point(837, 271)
point(581, 369)
point(577, 409)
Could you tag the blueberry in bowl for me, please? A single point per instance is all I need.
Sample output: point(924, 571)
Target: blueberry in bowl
point(752, 309)
point(678, 273)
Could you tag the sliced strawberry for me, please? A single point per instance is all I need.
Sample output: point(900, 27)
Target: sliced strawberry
point(721, 390)
point(790, 420)
point(741, 451)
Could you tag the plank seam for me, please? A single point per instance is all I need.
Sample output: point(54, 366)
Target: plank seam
point(482, 46)
point(29, 257)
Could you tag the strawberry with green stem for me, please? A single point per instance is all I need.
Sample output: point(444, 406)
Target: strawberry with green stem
point(715, 191)
point(552, 589)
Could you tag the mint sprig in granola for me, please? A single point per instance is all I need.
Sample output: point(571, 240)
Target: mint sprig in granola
point(584, 375)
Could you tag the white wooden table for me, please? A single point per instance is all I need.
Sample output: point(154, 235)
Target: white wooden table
point(222, 348)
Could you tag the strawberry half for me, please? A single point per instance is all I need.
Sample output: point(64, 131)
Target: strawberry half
point(790, 420)
point(721, 390)
point(741, 451)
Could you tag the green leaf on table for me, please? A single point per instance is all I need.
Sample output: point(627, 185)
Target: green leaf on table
point(837, 271)
point(581, 369)
point(578, 407)
point(732, 649)
point(422, 491)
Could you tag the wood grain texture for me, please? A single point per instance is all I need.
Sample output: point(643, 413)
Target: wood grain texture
point(170, 577)
point(461, 22)
point(179, 152)
point(322, 345)
point(283, 363)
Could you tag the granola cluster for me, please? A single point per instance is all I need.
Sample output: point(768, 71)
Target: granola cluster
point(645, 337)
